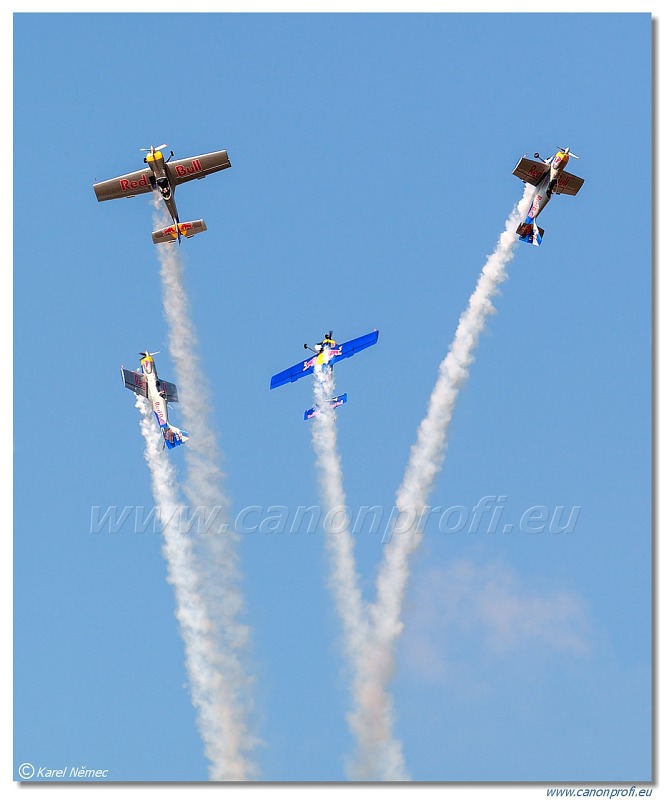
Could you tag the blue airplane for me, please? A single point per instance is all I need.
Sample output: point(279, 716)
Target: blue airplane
point(326, 354)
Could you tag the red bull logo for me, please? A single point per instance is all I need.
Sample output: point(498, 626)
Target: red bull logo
point(127, 185)
point(182, 171)
point(322, 358)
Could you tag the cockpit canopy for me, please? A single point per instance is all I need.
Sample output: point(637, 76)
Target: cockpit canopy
point(164, 186)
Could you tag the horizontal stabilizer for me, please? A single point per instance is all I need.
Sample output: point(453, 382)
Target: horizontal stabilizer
point(530, 233)
point(186, 229)
point(173, 436)
point(335, 402)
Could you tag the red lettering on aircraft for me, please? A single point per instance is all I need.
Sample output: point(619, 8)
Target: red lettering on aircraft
point(158, 412)
point(125, 184)
point(535, 206)
point(181, 170)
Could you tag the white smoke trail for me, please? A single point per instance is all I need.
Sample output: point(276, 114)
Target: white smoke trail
point(343, 579)
point(344, 584)
point(216, 548)
point(379, 754)
point(202, 657)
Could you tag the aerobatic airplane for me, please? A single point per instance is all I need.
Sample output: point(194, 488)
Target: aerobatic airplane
point(164, 176)
point(160, 393)
point(327, 353)
point(550, 177)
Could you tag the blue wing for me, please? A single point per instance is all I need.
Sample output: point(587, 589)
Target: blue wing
point(291, 374)
point(335, 402)
point(349, 349)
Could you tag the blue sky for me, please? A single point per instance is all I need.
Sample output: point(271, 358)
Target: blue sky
point(372, 159)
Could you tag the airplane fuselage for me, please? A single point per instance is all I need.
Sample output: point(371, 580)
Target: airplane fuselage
point(547, 184)
point(161, 181)
point(328, 350)
point(159, 405)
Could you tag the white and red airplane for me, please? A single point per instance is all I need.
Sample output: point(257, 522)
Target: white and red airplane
point(550, 177)
point(160, 393)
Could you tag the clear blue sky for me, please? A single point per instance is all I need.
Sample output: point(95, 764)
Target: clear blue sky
point(372, 159)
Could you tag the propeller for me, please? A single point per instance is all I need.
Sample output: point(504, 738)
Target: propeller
point(567, 152)
point(146, 353)
point(150, 149)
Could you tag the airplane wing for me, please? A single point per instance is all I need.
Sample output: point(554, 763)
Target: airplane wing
point(135, 381)
point(188, 169)
point(171, 391)
point(291, 374)
point(530, 171)
point(568, 184)
point(125, 186)
point(349, 349)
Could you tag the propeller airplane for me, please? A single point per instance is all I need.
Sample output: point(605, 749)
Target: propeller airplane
point(163, 175)
point(550, 177)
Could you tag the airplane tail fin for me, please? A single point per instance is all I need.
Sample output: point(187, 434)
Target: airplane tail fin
point(173, 436)
point(173, 232)
point(529, 232)
point(335, 402)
